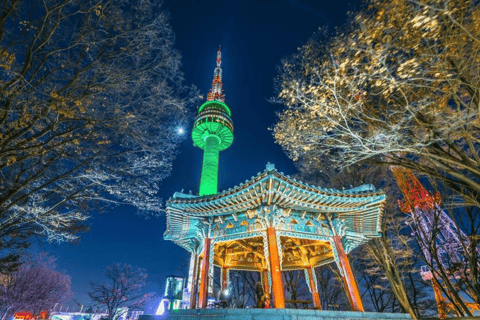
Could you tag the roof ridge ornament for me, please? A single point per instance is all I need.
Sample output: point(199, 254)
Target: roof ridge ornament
point(270, 167)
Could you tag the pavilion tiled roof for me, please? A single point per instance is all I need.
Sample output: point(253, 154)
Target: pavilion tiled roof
point(360, 208)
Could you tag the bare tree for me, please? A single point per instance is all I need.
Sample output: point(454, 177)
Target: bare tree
point(330, 288)
point(253, 284)
point(240, 290)
point(90, 94)
point(123, 288)
point(35, 286)
point(459, 263)
point(383, 288)
point(450, 254)
point(296, 286)
point(399, 85)
point(391, 258)
point(467, 273)
point(375, 289)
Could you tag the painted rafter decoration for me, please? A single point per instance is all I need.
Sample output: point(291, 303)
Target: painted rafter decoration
point(267, 258)
point(211, 265)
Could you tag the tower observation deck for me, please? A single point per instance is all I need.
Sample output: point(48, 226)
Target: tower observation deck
point(212, 131)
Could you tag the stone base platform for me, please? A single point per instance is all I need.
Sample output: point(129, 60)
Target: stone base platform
point(274, 314)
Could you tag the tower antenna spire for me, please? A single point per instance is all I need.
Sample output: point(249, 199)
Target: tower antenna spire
point(216, 91)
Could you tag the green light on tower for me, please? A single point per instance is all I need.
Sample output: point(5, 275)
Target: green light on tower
point(212, 131)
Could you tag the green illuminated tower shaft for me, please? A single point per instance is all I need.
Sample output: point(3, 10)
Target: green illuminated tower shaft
point(209, 179)
point(212, 131)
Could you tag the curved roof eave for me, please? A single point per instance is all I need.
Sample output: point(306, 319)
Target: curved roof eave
point(276, 188)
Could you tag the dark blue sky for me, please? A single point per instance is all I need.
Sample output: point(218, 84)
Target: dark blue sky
point(255, 36)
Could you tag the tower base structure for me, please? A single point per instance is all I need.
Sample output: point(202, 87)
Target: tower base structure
point(276, 314)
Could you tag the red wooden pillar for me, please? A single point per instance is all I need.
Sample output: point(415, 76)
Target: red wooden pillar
point(348, 278)
point(313, 286)
point(197, 279)
point(224, 278)
point(266, 288)
point(275, 270)
point(193, 289)
point(203, 294)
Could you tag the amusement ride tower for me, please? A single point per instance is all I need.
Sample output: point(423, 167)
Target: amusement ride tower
point(212, 131)
point(429, 217)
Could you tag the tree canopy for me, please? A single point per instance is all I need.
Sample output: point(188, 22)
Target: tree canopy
point(36, 286)
point(91, 92)
point(123, 289)
point(398, 85)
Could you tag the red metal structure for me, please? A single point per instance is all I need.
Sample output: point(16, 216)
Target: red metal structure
point(428, 216)
point(23, 315)
point(29, 315)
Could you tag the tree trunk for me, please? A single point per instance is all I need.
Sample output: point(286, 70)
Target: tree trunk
point(386, 259)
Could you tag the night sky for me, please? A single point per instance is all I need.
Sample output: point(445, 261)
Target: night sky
point(255, 36)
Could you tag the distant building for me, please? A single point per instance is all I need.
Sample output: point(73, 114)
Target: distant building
point(174, 298)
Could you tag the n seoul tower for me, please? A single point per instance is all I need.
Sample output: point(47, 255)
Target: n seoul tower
point(212, 131)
